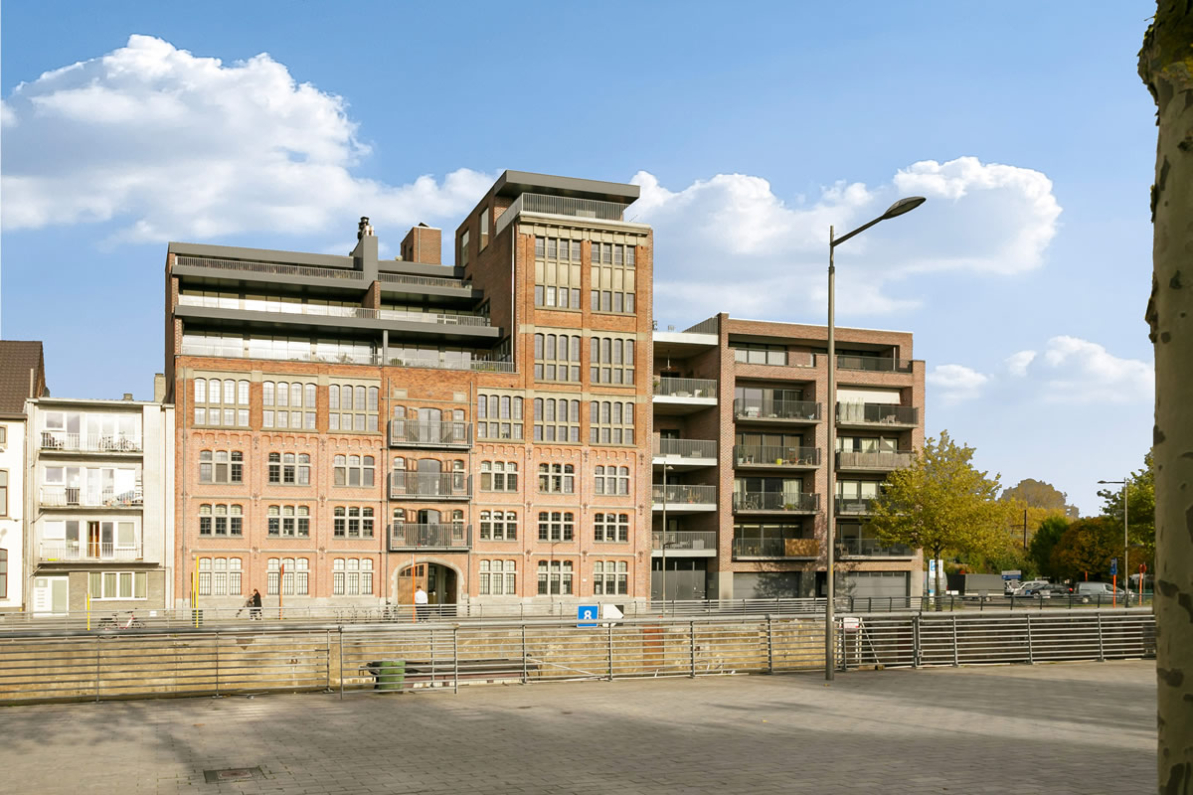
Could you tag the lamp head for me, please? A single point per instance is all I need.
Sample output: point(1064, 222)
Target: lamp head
point(903, 206)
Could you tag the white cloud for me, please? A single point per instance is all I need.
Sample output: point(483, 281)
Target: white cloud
point(956, 382)
point(730, 243)
point(171, 145)
point(1017, 363)
point(1079, 371)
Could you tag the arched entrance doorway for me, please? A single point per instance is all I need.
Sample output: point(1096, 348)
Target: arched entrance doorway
point(439, 581)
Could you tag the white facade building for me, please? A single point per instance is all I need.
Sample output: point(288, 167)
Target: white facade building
point(12, 513)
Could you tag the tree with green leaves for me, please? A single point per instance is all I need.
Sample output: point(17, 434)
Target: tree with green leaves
point(941, 503)
point(1141, 516)
point(1044, 541)
point(1085, 548)
point(1038, 494)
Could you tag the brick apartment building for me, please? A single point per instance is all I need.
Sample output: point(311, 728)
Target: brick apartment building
point(344, 421)
point(741, 416)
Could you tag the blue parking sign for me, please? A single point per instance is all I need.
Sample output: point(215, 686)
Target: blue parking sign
point(587, 613)
point(1113, 566)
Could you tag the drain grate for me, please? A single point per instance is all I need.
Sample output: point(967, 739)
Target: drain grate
point(233, 774)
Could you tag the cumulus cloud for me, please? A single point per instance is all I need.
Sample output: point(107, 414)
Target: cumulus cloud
point(1079, 371)
point(731, 243)
point(955, 382)
point(171, 145)
point(1017, 363)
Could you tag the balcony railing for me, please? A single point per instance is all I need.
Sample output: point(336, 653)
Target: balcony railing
point(273, 268)
point(685, 387)
point(679, 494)
point(772, 455)
point(71, 497)
point(238, 350)
point(75, 550)
point(685, 539)
point(429, 536)
point(775, 501)
point(875, 459)
point(874, 364)
point(686, 448)
point(415, 433)
point(870, 548)
point(559, 205)
point(710, 326)
point(90, 442)
point(422, 281)
point(429, 486)
point(753, 409)
point(855, 505)
point(320, 310)
point(775, 547)
point(876, 414)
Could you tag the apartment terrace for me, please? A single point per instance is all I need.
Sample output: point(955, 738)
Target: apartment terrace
point(562, 206)
point(71, 552)
point(774, 545)
point(775, 457)
point(430, 486)
point(109, 443)
point(675, 396)
point(775, 502)
point(430, 537)
point(776, 411)
point(880, 414)
point(446, 434)
point(684, 454)
point(680, 498)
point(685, 543)
point(240, 351)
point(70, 497)
point(874, 460)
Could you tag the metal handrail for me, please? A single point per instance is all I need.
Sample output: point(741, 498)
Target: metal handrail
point(429, 485)
point(84, 550)
point(775, 455)
point(424, 281)
point(685, 448)
point(685, 387)
point(855, 505)
point(750, 408)
point(876, 414)
point(875, 459)
point(775, 501)
point(870, 548)
point(428, 536)
point(239, 351)
point(268, 267)
point(875, 364)
point(685, 539)
point(559, 205)
point(767, 545)
point(680, 494)
point(77, 497)
point(321, 310)
point(90, 442)
point(430, 432)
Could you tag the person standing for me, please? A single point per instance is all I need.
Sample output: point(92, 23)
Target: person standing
point(255, 602)
point(421, 603)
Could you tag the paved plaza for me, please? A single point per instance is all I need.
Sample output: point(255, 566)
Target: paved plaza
point(1067, 729)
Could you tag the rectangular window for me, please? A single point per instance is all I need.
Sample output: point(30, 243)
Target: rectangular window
point(499, 417)
point(221, 402)
point(120, 584)
point(557, 420)
point(557, 357)
point(485, 227)
point(555, 577)
point(611, 480)
point(556, 273)
point(759, 353)
point(611, 528)
point(556, 526)
point(464, 249)
point(3, 492)
point(611, 360)
point(352, 408)
point(3, 573)
point(557, 479)
point(613, 278)
point(611, 422)
point(610, 578)
point(499, 526)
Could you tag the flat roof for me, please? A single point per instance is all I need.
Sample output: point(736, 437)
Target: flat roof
point(821, 325)
point(98, 402)
point(515, 183)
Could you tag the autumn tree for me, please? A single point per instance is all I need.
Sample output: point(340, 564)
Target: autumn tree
point(1141, 515)
point(1166, 66)
point(941, 503)
point(1038, 494)
point(1085, 547)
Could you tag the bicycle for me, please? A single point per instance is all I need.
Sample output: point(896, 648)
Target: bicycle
point(115, 623)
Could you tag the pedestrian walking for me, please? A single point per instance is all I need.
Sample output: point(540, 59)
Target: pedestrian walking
point(421, 604)
point(255, 605)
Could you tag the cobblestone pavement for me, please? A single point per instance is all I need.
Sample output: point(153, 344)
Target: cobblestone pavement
point(1057, 729)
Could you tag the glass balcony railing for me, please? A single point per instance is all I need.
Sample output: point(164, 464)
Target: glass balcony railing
point(685, 448)
point(774, 546)
point(775, 455)
point(855, 505)
point(679, 494)
point(685, 540)
point(762, 409)
point(876, 414)
point(775, 501)
point(685, 387)
point(90, 442)
point(875, 459)
point(862, 547)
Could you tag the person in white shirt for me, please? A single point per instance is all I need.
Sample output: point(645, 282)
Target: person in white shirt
point(421, 603)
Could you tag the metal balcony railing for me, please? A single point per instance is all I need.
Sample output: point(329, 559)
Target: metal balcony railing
point(876, 414)
point(422, 281)
point(772, 455)
point(686, 448)
point(76, 550)
point(875, 364)
point(320, 310)
point(238, 350)
point(72, 497)
point(269, 267)
point(679, 494)
point(775, 546)
point(875, 459)
point(435, 361)
point(752, 409)
point(685, 539)
point(685, 387)
point(90, 442)
point(861, 547)
point(413, 433)
point(710, 326)
point(429, 536)
point(559, 205)
point(855, 505)
point(775, 501)
point(428, 486)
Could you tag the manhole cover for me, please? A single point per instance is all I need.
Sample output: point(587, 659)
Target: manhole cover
point(232, 774)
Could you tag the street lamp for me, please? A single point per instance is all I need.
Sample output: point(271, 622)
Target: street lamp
point(1126, 543)
point(898, 208)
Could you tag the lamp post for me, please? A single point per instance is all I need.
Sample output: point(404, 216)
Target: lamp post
point(1126, 543)
point(898, 208)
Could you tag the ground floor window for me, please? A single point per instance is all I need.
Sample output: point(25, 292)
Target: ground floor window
point(499, 577)
point(290, 575)
point(555, 577)
point(352, 577)
point(610, 577)
point(219, 576)
point(117, 584)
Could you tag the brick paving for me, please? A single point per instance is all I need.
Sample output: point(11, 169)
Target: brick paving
point(1050, 729)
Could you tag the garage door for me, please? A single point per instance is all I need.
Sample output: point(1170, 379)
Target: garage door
point(766, 585)
point(877, 583)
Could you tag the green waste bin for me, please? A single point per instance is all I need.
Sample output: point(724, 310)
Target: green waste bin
point(391, 674)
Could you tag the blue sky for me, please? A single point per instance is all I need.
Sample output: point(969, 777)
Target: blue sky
point(750, 128)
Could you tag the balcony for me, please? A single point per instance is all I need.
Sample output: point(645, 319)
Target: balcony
point(855, 506)
point(675, 396)
point(772, 457)
point(885, 415)
point(72, 497)
point(861, 547)
point(874, 364)
point(430, 537)
point(448, 435)
point(773, 411)
point(423, 281)
point(775, 547)
point(429, 486)
point(684, 454)
point(265, 271)
point(685, 543)
point(775, 502)
point(322, 311)
point(680, 498)
point(70, 551)
point(104, 443)
point(238, 350)
point(559, 205)
point(875, 460)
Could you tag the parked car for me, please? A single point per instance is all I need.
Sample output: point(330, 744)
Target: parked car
point(1088, 592)
point(1030, 587)
point(1053, 590)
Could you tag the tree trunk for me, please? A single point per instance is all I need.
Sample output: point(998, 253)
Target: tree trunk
point(1166, 66)
point(940, 579)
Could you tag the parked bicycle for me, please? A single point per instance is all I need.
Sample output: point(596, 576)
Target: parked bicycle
point(116, 622)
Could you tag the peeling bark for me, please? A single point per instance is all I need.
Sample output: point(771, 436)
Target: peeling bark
point(1166, 66)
